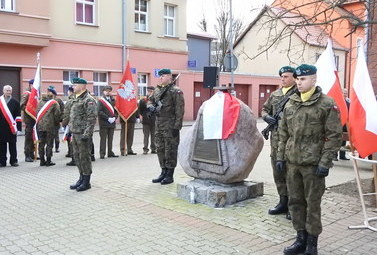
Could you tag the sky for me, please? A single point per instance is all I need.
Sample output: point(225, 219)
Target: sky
point(244, 9)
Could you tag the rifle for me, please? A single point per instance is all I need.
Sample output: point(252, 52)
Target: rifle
point(266, 132)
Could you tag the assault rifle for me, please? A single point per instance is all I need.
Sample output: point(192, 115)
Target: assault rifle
point(266, 132)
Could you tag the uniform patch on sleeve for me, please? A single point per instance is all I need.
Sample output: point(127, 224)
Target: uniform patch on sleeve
point(90, 103)
point(335, 108)
point(179, 92)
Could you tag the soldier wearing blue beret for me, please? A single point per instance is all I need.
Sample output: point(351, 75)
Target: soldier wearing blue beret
point(310, 134)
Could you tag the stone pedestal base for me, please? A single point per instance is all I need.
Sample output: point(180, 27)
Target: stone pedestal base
point(215, 194)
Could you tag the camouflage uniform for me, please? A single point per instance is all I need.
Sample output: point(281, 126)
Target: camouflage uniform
point(46, 129)
point(57, 126)
point(310, 133)
point(29, 124)
point(82, 118)
point(169, 119)
point(270, 108)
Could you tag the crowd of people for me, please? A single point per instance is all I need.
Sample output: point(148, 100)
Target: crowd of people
point(161, 111)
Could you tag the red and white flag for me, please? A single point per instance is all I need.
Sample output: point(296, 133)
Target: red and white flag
point(31, 105)
point(126, 103)
point(363, 110)
point(220, 116)
point(328, 80)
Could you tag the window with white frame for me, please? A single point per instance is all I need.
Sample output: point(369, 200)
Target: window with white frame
point(141, 15)
point(67, 77)
point(142, 83)
point(7, 5)
point(85, 11)
point(169, 20)
point(99, 81)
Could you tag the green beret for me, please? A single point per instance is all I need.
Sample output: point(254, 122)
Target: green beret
point(304, 70)
point(108, 87)
point(286, 69)
point(164, 71)
point(52, 89)
point(78, 81)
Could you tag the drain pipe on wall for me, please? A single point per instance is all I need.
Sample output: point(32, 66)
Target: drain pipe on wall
point(124, 23)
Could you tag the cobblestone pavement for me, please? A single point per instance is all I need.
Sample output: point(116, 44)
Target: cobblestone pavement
point(124, 213)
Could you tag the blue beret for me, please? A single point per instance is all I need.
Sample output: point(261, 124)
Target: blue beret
point(31, 81)
point(79, 81)
point(52, 89)
point(164, 71)
point(286, 69)
point(304, 70)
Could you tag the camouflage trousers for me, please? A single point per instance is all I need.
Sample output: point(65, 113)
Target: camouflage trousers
point(46, 142)
point(167, 148)
point(280, 179)
point(29, 143)
point(305, 193)
point(81, 154)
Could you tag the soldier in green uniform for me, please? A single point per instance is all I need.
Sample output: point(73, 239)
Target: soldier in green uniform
point(48, 116)
point(65, 120)
point(29, 124)
point(82, 118)
point(168, 103)
point(269, 110)
point(310, 133)
point(52, 93)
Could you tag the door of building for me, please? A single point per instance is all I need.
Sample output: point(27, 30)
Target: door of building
point(200, 95)
point(11, 76)
point(264, 93)
point(242, 92)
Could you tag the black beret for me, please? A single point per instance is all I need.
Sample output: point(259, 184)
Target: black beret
point(286, 69)
point(70, 88)
point(150, 88)
point(108, 87)
point(52, 89)
point(79, 81)
point(31, 81)
point(164, 71)
point(304, 70)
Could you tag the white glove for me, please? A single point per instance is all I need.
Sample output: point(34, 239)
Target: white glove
point(137, 120)
point(111, 120)
point(18, 133)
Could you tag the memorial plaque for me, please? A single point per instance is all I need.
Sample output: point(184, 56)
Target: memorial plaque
point(207, 151)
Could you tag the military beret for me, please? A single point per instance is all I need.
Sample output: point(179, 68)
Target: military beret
point(31, 81)
point(52, 89)
point(79, 81)
point(150, 88)
point(70, 88)
point(164, 71)
point(108, 87)
point(286, 69)
point(304, 70)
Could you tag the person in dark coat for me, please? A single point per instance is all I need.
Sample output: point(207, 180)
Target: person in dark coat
point(148, 121)
point(10, 124)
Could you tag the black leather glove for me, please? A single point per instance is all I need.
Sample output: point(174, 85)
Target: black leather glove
point(269, 119)
point(280, 165)
point(84, 138)
point(322, 171)
point(175, 132)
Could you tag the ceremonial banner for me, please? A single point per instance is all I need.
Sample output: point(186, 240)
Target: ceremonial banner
point(126, 103)
point(363, 117)
point(328, 80)
point(220, 116)
point(31, 105)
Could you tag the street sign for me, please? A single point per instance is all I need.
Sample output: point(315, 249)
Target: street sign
point(227, 62)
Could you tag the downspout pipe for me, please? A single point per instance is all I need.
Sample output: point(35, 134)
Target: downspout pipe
point(124, 25)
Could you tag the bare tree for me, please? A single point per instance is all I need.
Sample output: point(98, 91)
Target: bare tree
point(203, 24)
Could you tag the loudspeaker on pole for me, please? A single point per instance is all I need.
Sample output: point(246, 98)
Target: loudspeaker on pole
point(210, 76)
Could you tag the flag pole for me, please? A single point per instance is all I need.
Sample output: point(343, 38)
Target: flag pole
point(39, 91)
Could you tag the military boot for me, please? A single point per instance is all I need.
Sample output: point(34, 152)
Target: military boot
point(281, 207)
point(85, 184)
point(311, 248)
point(71, 163)
point(299, 245)
point(168, 177)
point(28, 159)
point(42, 161)
point(49, 162)
point(78, 183)
point(161, 177)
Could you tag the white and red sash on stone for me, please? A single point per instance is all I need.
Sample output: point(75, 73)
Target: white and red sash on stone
point(42, 112)
point(8, 115)
point(108, 106)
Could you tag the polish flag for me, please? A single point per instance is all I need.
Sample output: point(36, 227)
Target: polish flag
point(31, 105)
point(126, 103)
point(220, 116)
point(328, 80)
point(363, 117)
